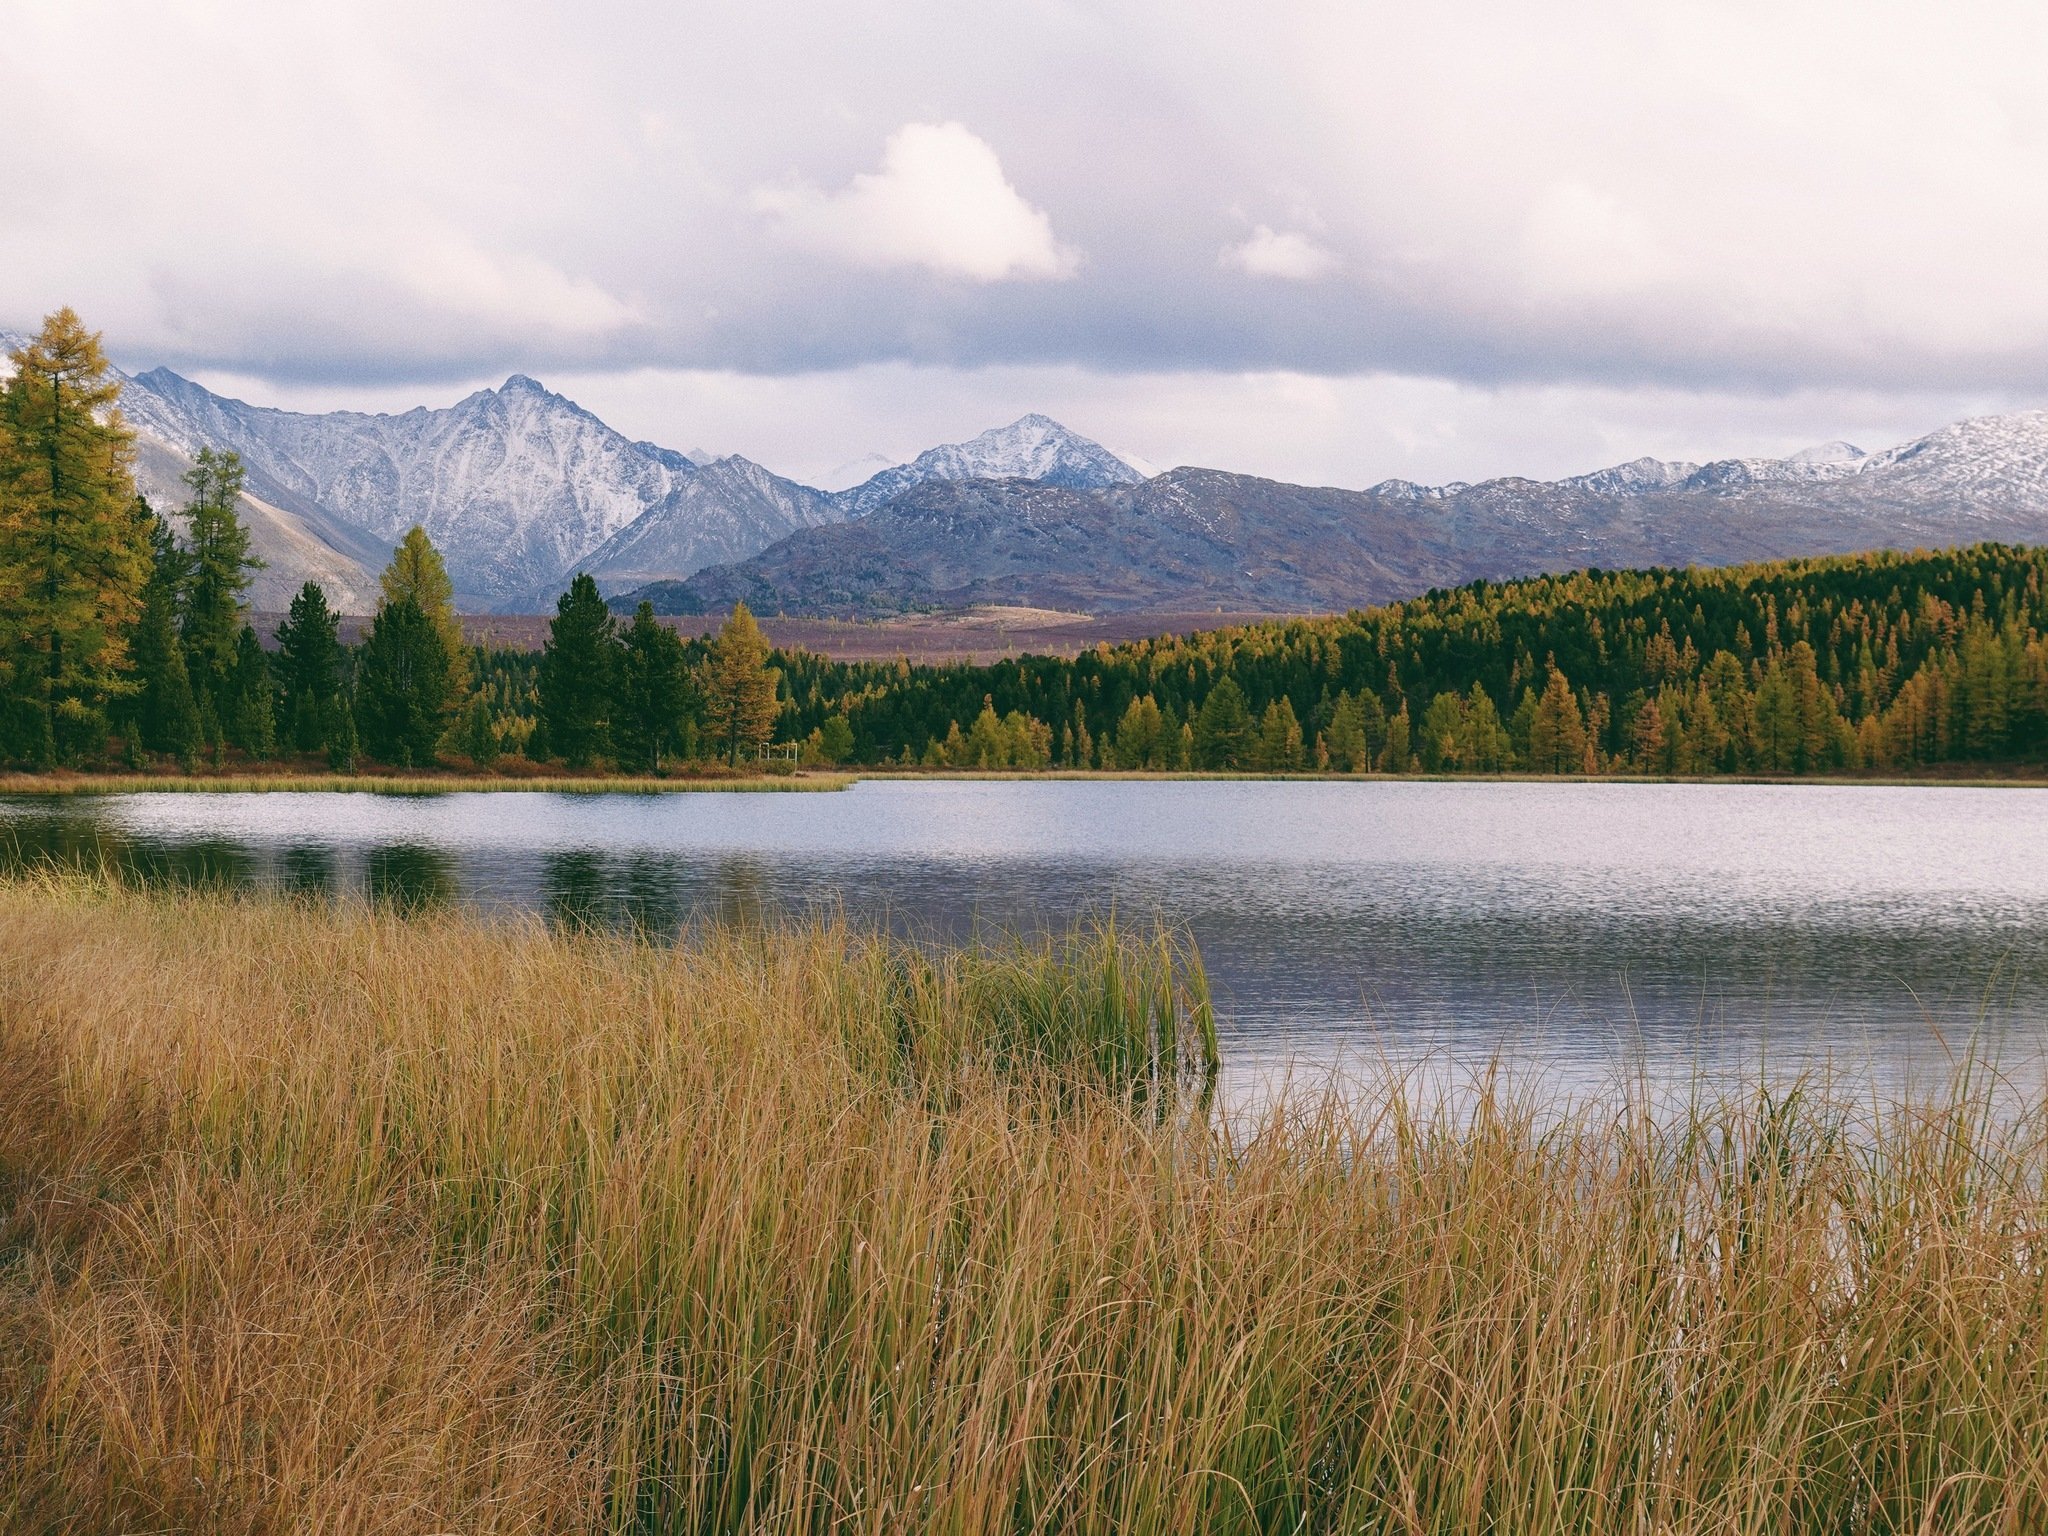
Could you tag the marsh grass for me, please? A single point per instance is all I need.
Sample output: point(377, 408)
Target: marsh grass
point(325, 1219)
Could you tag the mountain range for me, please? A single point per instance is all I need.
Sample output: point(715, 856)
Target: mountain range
point(1195, 538)
point(521, 488)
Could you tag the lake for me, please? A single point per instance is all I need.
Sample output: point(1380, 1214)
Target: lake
point(1579, 930)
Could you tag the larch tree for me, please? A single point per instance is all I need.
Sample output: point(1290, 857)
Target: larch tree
point(73, 556)
point(740, 688)
point(417, 572)
point(1557, 734)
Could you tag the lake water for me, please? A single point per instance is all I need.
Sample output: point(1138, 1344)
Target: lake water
point(1579, 930)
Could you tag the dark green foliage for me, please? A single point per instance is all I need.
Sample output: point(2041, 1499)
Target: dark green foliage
point(220, 564)
point(479, 738)
point(309, 665)
point(252, 712)
point(655, 699)
point(1877, 662)
point(338, 728)
point(579, 674)
point(1223, 727)
point(539, 748)
point(164, 713)
point(402, 686)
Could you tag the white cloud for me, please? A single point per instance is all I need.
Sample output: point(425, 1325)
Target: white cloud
point(1280, 253)
point(940, 201)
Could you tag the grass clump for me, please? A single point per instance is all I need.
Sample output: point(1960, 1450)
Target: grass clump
point(320, 1218)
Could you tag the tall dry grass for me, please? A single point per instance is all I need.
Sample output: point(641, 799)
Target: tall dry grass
point(324, 1219)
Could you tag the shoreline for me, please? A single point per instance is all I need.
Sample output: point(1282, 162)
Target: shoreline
point(824, 781)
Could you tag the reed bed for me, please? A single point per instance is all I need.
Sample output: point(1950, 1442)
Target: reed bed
point(323, 1219)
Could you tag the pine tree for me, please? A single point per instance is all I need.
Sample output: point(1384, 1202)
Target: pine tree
point(1223, 727)
point(579, 674)
point(309, 667)
point(654, 692)
point(740, 703)
point(252, 719)
point(402, 686)
point(73, 556)
point(338, 727)
point(166, 717)
point(220, 567)
point(479, 738)
point(417, 571)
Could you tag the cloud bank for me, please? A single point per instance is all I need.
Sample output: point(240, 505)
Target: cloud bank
point(1710, 203)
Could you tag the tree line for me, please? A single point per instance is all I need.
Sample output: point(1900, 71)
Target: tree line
point(1877, 662)
point(126, 635)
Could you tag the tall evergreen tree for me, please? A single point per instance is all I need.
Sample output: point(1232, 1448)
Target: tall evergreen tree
point(1223, 727)
point(165, 713)
point(654, 696)
point(309, 667)
point(1278, 746)
point(1345, 739)
point(252, 714)
point(402, 687)
point(417, 571)
point(579, 668)
point(220, 568)
point(73, 556)
point(740, 688)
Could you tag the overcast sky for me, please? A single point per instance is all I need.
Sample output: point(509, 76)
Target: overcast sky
point(1328, 242)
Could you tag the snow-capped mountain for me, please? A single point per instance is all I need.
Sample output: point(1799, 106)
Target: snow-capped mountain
point(518, 486)
point(1203, 539)
point(728, 510)
point(1031, 448)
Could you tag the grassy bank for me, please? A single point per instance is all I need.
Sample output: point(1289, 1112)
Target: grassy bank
point(420, 783)
point(318, 1219)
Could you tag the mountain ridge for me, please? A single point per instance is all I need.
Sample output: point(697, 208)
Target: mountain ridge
point(522, 487)
point(1199, 537)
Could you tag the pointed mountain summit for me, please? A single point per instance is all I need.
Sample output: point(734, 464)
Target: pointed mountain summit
point(1030, 448)
point(518, 486)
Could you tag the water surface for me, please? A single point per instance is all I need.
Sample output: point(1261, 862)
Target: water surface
point(1579, 929)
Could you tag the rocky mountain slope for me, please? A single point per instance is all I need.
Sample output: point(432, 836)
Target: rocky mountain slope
point(518, 486)
point(1202, 538)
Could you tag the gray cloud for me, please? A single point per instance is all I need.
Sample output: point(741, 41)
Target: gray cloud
point(1715, 202)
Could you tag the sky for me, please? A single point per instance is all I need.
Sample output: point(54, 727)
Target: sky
point(1328, 242)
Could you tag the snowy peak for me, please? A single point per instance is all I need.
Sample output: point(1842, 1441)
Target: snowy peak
point(517, 485)
point(1032, 447)
point(1836, 452)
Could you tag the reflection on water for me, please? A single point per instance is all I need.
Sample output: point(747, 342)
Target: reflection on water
point(1578, 928)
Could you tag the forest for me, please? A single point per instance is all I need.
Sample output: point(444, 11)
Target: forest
point(126, 640)
point(1884, 661)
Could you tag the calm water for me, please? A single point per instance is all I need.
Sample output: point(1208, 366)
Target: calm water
point(1578, 929)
